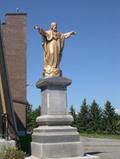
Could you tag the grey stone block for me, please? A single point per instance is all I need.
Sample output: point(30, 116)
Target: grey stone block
point(61, 82)
point(54, 120)
point(54, 134)
point(54, 95)
point(54, 150)
point(54, 138)
point(78, 157)
point(54, 102)
point(48, 129)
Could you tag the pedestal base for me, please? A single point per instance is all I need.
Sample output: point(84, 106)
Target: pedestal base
point(55, 138)
point(57, 150)
point(54, 120)
point(56, 141)
point(78, 157)
point(55, 134)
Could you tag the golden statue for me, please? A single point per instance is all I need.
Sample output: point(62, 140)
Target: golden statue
point(53, 44)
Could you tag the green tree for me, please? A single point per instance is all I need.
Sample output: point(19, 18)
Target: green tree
point(73, 113)
point(95, 117)
point(110, 118)
point(118, 125)
point(32, 114)
point(83, 117)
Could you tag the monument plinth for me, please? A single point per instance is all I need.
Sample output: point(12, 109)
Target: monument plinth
point(54, 101)
point(55, 137)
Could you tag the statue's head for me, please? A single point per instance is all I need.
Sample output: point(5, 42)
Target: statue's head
point(53, 26)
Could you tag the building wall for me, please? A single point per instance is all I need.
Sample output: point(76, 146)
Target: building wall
point(14, 33)
point(1, 111)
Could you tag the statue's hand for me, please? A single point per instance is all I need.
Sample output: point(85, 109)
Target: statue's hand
point(36, 27)
point(73, 33)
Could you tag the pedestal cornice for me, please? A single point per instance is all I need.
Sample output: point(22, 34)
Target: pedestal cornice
point(50, 82)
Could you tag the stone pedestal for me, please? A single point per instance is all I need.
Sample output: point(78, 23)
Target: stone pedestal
point(54, 101)
point(55, 138)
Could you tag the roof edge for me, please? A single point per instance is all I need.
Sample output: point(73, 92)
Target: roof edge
point(7, 14)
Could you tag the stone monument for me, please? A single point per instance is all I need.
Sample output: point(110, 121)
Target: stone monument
point(54, 138)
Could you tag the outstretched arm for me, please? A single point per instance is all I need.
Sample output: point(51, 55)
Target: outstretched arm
point(69, 34)
point(40, 30)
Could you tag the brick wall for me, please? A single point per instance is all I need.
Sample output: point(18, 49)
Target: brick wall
point(14, 33)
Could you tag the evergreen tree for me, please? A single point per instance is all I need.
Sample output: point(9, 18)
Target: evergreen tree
point(83, 117)
point(118, 125)
point(72, 112)
point(95, 117)
point(32, 114)
point(110, 118)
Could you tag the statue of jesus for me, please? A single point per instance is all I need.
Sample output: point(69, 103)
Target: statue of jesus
point(53, 44)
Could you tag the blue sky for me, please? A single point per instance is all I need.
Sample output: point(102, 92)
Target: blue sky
point(91, 58)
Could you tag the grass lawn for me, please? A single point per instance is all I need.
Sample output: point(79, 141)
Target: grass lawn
point(95, 135)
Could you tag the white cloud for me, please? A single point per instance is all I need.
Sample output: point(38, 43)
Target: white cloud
point(117, 110)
